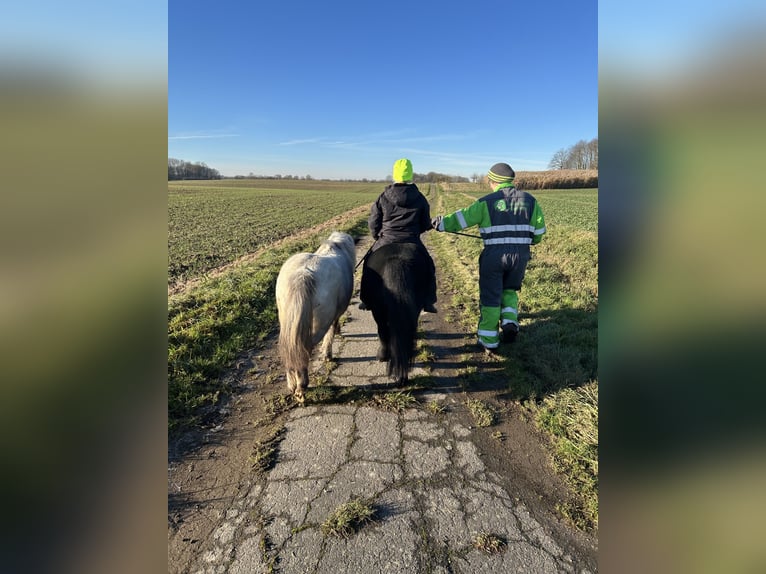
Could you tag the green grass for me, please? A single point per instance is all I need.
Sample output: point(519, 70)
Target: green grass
point(577, 208)
point(396, 401)
point(435, 408)
point(348, 518)
point(554, 358)
point(483, 415)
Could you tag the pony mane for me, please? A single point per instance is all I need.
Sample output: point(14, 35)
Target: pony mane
point(341, 243)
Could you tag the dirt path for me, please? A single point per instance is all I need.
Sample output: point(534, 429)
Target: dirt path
point(247, 495)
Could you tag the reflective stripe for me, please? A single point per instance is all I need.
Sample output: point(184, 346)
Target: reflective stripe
point(507, 321)
point(507, 240)
point(540, 231)
point(509, 310)
point(461, 219)
point(489, 345)
point(483, 333)
point(506, 228)
point(508, 234)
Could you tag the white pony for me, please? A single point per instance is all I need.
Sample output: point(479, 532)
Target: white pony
point(313, 291)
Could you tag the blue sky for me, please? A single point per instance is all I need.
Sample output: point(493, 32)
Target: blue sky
point(342, 89)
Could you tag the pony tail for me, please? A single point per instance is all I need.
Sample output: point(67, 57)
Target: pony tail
point(295, 323)
point(403, 323)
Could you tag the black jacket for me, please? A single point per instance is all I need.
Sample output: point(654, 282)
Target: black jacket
point(399, 215)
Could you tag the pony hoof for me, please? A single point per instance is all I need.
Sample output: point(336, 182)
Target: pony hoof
point(300, 398)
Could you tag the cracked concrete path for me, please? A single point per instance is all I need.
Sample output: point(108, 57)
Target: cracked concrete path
point(420, 471)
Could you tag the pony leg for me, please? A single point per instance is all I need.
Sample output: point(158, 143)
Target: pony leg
point(292, 380)
point(297, 383)
point(302, 383)
point(326, 350)
point(383, 354)
point(384, 335)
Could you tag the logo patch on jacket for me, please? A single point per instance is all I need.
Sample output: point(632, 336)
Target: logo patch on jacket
point(500, 205)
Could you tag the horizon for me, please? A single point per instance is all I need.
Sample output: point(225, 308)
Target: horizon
point(309, 177)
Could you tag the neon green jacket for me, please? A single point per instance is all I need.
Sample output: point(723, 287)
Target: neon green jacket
point(506, 217)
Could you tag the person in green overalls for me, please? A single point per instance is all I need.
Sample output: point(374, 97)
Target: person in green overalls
point(509, 220)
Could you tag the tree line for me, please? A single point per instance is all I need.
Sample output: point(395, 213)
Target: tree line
point(430, 177)
point(582, 155)
point(180, 169)
point(433, 177)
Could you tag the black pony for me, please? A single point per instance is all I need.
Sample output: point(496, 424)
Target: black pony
point(395, 281)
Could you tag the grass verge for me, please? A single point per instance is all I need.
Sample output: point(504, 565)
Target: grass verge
point(571, 418)
point(552, 368)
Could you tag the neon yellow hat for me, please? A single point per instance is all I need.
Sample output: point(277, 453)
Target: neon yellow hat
point(402, 170)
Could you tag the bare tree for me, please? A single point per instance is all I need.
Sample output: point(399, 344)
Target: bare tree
point(559, 160)
point(582, 155)
point(592, 148)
